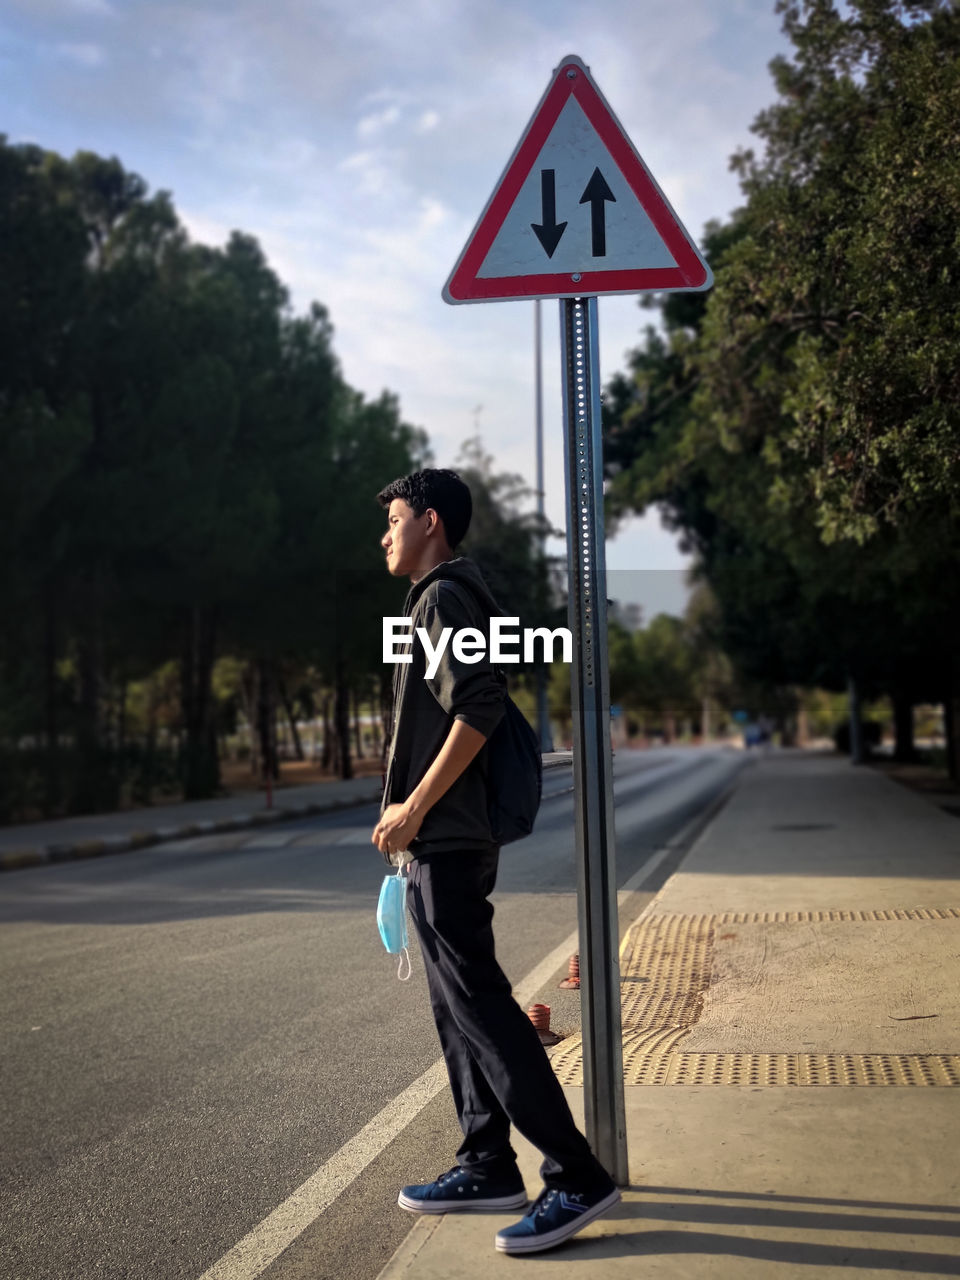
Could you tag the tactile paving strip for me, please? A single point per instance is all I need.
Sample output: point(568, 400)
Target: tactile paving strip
point(665, 970)
point(802, 917)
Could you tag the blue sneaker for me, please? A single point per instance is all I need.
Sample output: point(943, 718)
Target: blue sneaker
point(554, 1217)
point(461, 1191)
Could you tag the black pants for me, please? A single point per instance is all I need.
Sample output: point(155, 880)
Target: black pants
point(499, 1072)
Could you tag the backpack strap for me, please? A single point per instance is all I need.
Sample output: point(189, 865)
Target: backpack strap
point(465, 593)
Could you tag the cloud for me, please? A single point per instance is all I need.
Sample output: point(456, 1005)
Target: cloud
point(205, 230)
point(99, 8)
point(82, 55)
point(371, 125)
point(290, 155)
point(359, 142)
point(372, 169)
point(433, 213)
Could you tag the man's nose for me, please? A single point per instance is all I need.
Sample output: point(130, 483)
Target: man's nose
point(385, 541)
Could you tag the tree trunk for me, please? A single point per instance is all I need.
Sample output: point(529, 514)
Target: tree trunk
point(903, 750)
point(291, 720)
point(51, 799)
point(326, 762)
point(124, 771)
point(248, 689)
point(88, 672)
point(148, 772)
point(386, 715)
point(706, 728)
point(856, 726)
point(803, 725)
point(951, 720)
point(375, 727)
point(122, 715)
point(267, 719)
point(91, 791)
point(341, 715)
point(200, 764)
point(357, 727)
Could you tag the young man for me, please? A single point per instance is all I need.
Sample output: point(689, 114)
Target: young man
point(434, 815)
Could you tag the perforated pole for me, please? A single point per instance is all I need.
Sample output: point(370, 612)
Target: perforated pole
point(543, 707)
point(592, 763)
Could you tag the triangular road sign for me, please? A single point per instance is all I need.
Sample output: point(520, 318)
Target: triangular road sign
point(576, 212)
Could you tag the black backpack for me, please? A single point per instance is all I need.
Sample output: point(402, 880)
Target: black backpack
point(514, 766)
point(514, 775)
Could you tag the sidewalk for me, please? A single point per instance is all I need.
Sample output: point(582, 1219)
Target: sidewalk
point(62, 839)
point(791, 1027)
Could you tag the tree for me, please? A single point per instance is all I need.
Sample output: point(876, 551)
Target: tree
point(712, 673)
point(852, 257)
point(504, 539)
point(802, 425)
point(506, 542)
point(184, 474)
point(666, 672)
point(373, 446)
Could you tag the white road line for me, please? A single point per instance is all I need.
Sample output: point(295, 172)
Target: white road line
point(531, 984)
point(261, 1247)
point(264, 1244)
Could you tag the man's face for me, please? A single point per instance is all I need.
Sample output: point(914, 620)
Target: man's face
point(405, 541)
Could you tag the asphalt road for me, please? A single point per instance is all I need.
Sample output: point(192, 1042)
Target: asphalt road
point(189, 1033)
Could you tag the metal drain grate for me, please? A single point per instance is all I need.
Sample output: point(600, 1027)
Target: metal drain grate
point(665, 967)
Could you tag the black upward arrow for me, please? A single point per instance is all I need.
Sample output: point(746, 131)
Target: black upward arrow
point(549, 231)
point(596, 192)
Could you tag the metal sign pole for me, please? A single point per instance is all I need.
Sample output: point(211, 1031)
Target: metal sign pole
point(543, 707)
point(592, 763)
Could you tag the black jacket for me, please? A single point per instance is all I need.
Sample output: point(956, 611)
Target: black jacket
point(451, 595)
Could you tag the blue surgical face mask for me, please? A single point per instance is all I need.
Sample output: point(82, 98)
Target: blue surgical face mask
point(392, 919)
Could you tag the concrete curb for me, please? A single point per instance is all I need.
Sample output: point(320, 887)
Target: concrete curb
point(44, 855)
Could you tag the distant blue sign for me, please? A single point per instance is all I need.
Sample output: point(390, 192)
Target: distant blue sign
point(741, 717)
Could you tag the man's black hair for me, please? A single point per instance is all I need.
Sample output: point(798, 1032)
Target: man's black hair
point(440, 489)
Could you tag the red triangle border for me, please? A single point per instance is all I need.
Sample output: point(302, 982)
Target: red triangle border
point(690, 273)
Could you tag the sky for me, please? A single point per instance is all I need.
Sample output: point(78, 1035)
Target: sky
point(359, 140)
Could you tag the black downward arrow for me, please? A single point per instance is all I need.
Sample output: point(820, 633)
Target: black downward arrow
point(596, 192)
point(549, 231)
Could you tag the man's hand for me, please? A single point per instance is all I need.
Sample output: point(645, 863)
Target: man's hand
point(399, 823)
point(396, 828)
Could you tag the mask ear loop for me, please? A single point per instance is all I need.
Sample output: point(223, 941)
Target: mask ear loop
point(404, 953)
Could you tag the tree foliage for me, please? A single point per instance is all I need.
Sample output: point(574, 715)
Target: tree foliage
point(184, 474)
point(801, 425)
point(844, 287)
point(504, 539)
